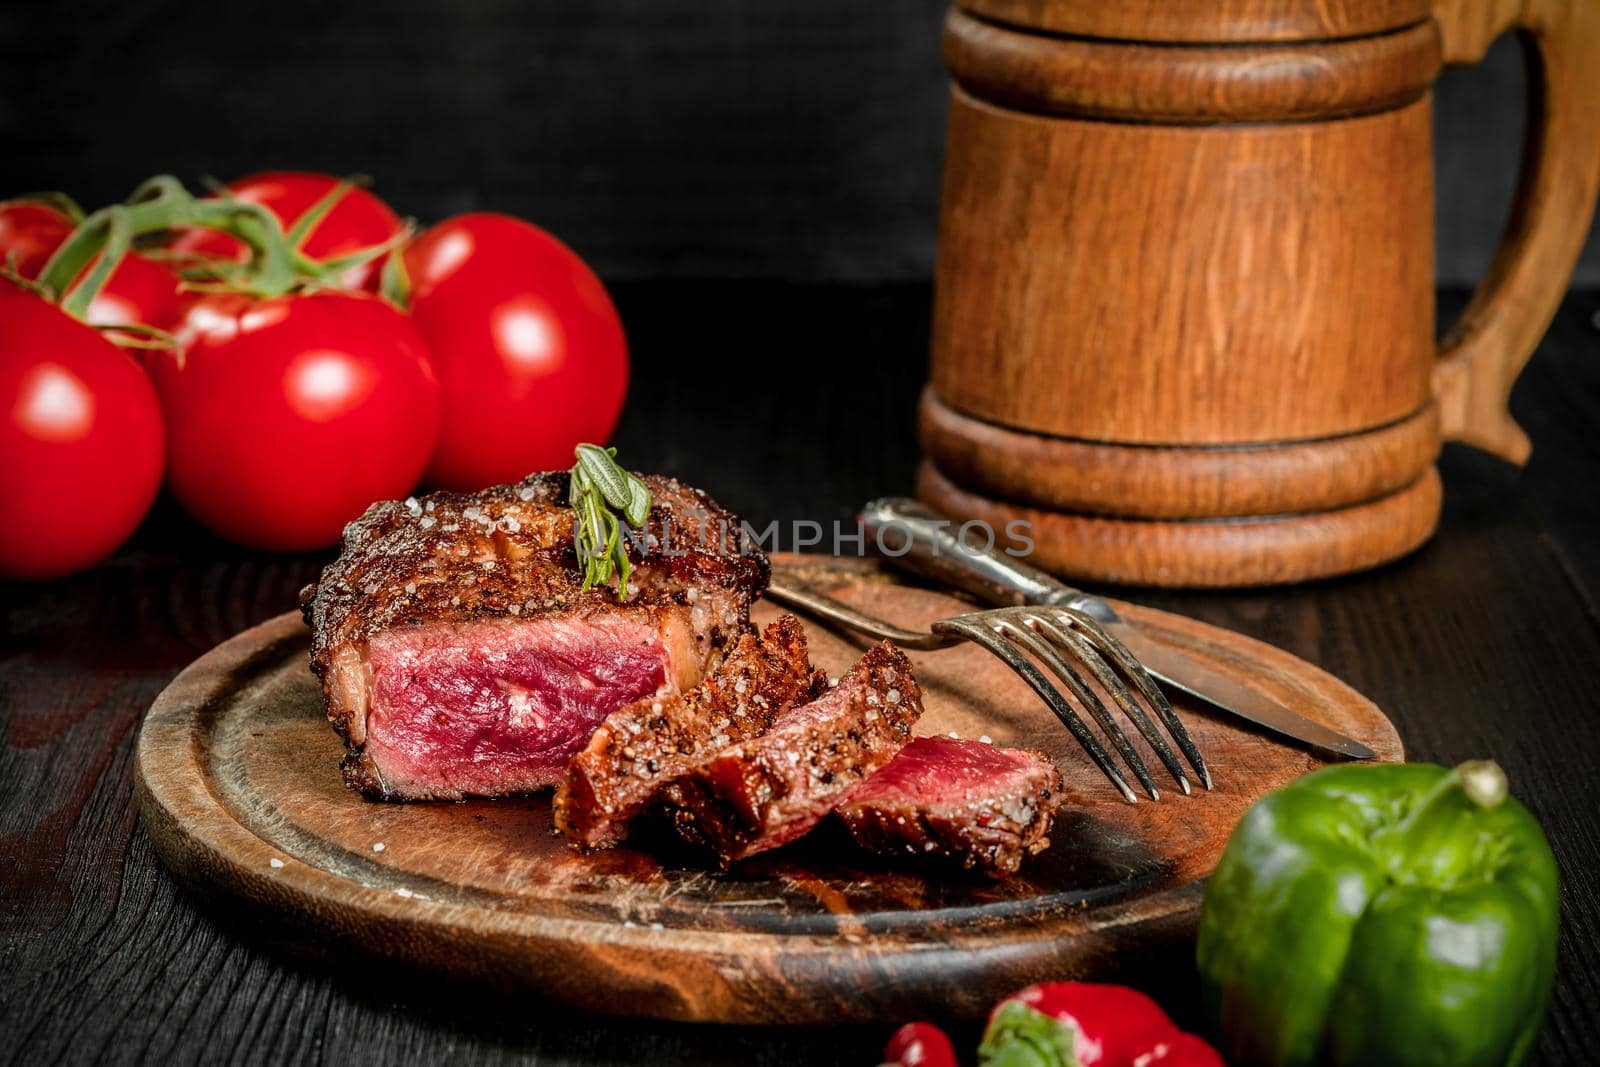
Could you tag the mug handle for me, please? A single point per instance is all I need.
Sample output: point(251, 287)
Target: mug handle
point(1490, 343)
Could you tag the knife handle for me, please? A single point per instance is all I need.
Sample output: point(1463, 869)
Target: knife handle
point(913, 536)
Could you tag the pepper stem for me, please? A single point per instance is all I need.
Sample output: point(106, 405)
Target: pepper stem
point(1483, 781)
point(1423, 846)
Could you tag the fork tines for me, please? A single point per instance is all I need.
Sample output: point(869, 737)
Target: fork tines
point(1069, 643)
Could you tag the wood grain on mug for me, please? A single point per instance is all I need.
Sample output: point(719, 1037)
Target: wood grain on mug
point(1185, 259)
point(1201, 21)
point(1138, 481)
point(1141, 82)
point(1194, 553)
point(1490, 343)
point(1184, 285)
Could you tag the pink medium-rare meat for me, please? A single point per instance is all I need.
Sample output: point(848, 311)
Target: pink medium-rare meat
point(460, 655)
point(646, 745)
point(497, 706)
point(765, 792)
point(961, 801)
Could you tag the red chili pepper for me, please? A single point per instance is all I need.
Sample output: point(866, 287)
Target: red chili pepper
point(1080, 1024)
point(919, 1045)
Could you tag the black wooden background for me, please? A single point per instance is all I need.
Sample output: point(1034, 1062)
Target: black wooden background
point(661, 138)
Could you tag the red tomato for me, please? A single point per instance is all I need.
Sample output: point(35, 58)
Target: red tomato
point(29, 233)
point(359, 220)
point(919, 1045)
point(80, 441)
point(528, 347)
point(286, 417)
point(140, 291)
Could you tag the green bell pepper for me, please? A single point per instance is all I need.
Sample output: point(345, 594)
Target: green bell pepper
point(1392, 914)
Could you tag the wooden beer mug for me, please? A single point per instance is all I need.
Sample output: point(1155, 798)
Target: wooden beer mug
point(1184, 315)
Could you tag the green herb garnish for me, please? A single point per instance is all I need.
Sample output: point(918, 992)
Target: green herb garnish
point(599, 484)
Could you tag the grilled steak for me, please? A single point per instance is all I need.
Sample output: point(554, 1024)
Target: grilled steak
point(969, 802)
point(649, 743)
point(767, 791)
point(460, 655)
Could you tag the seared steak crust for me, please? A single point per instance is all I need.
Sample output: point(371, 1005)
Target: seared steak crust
point(767, 791)
point(649, 743)
point(957, 801)
point(508, 553)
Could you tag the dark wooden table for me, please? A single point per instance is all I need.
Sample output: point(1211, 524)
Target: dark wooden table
point(786, 404)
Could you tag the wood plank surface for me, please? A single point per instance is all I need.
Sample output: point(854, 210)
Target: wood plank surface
point(1485, 642)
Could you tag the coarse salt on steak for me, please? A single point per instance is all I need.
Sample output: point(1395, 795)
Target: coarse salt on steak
point(649, 743)
point(460, 655)
point(767, 791)
point(965, 801)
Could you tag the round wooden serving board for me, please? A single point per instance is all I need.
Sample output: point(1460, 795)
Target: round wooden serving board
point(240, 791)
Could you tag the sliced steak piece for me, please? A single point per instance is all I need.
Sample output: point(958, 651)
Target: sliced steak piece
point(771, 789)
point(649, 743)
point(460, 655)
point(970, 802)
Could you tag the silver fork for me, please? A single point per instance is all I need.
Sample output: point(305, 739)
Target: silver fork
point(1064, 639)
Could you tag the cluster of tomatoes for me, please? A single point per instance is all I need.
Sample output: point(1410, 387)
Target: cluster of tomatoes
point(471, 353)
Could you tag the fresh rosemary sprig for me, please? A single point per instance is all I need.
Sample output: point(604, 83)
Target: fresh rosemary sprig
point(599, 484)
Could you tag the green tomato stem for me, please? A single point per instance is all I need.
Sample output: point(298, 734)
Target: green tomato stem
point(118, 238)
point(394, 283)
point(301, 230)
point(161, 204)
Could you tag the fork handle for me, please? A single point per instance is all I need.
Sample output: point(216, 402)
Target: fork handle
point(912, 535)
point(793, 592)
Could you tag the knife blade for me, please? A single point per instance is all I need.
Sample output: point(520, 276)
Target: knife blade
point(1183, 672)
point(913, 536)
